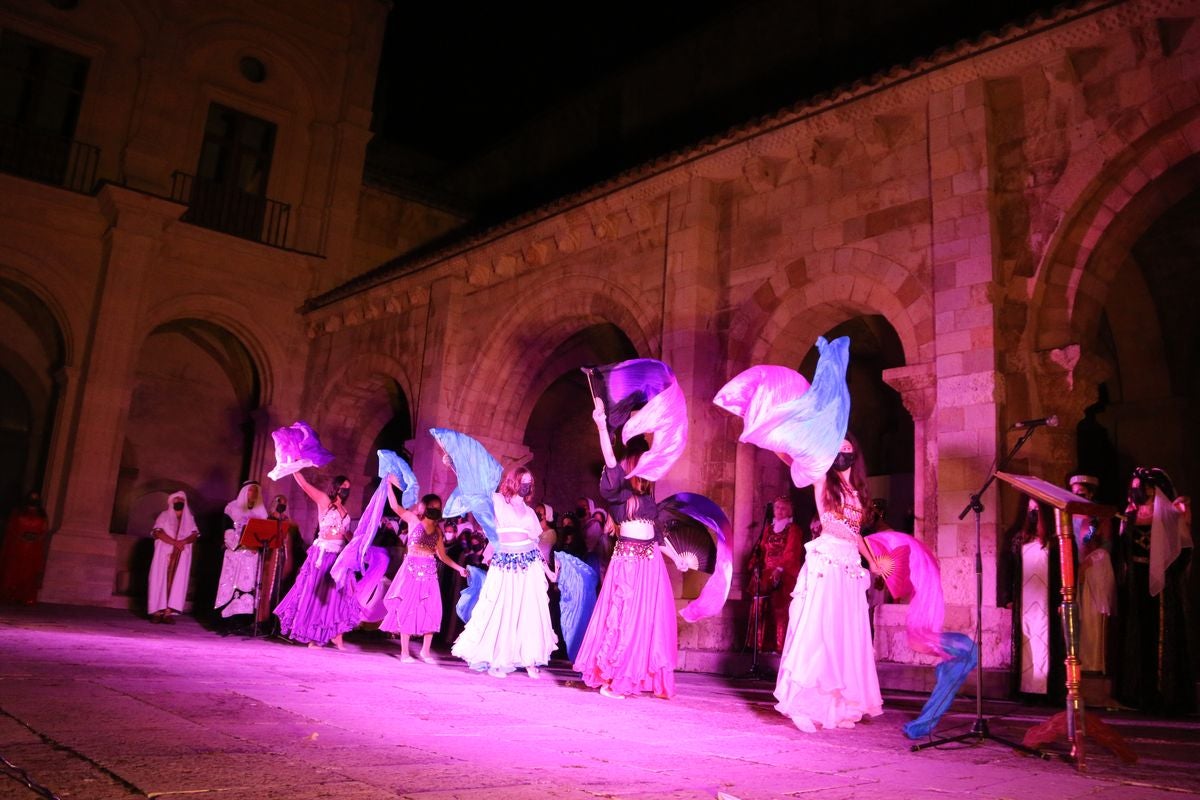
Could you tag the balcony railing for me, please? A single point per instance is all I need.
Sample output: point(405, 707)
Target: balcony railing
point(225, 208)
point(47, 158)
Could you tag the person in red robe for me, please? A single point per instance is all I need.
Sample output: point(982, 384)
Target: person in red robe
point(23, 552)
point(774, 564)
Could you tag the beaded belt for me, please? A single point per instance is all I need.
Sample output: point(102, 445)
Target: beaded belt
point(515, 561)
point(419, 565)
point(633, 548)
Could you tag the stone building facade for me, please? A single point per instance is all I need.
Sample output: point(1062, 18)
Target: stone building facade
point(990, 227)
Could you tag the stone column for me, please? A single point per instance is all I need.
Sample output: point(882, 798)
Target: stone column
point(691, 347)
point(917, 385)
point(969, 384)
point(81, 565)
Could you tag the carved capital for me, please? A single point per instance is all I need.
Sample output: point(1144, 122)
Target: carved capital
point(917, 385)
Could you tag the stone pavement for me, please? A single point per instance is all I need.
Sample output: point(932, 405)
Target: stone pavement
point(97, 704)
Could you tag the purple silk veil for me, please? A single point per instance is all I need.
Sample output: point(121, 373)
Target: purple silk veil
point(354, 555)
point(478, 477)
point(641, 396)
point(784, 414)
point(297, 447)
point(704, 511)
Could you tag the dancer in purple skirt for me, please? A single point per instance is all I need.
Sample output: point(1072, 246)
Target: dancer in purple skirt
point(631, 641)
point(414, 602)
point(316, 610)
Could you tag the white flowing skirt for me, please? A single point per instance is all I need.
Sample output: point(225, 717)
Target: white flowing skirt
point(827, 671)
point(510, 624)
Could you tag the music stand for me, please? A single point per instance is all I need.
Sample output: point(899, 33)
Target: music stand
point(1075, 720)
point(260, 534)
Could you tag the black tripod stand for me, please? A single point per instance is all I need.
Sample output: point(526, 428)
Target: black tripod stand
point(757, 599)
point(979, 730)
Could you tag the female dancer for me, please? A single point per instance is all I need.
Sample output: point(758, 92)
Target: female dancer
point(510, 624)
point(316, 610)
point(827, 671)
point(631, 641)
point(414, 602)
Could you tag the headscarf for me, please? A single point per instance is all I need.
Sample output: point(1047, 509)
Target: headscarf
point(166, 520)
point(240, 511)
point(1168, 536)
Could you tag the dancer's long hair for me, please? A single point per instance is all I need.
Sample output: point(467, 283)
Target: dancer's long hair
point(511, 481)
point(835, 488)
point(334, 485)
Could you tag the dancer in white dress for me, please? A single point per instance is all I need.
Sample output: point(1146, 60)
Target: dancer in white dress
point(510, 624)
point(827, 674)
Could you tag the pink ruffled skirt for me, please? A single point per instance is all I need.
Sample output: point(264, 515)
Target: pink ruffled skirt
point(632, 640)
point(414, 601)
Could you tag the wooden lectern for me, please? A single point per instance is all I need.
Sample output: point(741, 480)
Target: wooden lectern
point(1076, 719)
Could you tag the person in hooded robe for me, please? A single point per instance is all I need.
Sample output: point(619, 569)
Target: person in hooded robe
point(174, 533)
point(1153, 551)
point(240, 568)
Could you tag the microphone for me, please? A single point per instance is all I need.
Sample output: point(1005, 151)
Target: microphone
point(1050, 422)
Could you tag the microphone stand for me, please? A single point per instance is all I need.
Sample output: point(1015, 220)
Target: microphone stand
point(979, 730)
point(756, 603)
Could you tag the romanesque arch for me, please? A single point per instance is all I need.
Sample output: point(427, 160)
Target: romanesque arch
point(514, 356)
point(360, 401)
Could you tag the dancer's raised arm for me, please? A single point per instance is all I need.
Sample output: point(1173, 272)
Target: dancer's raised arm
point(601, 419)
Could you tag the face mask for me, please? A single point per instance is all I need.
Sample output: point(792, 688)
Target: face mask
point(344, 494)
point(178, 506)
point(280, 508)
point(525, 489)
point(433, 513)
point(843, 461)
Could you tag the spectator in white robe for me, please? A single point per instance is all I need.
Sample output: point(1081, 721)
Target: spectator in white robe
point(174, 532)
point(239, 570)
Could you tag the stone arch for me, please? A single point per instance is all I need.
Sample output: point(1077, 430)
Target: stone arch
point(546, 317)
point(1154, 168)
point(351, 404)
point(823, 290)
point(22, 271)
point(265, 350)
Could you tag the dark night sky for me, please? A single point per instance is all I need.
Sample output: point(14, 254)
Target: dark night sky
point(456, 78)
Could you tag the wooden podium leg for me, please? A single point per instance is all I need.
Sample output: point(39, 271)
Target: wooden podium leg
point(1055, 728)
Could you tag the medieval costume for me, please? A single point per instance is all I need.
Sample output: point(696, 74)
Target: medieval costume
point(23, 552)
point(240, 568)
point(174, 532)
point(773, 568)
point(1153, 671)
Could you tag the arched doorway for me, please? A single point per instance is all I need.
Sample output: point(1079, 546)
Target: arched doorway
point(191, 427)
point(31, 354)
point(878, 419)
point(560, 433)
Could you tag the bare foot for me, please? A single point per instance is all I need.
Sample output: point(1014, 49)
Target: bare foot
point(405, 658)
point(427, 658)
point(533, 672)
point(337, 642)
point(314, 645)
point(495, 672)
point(607, 691)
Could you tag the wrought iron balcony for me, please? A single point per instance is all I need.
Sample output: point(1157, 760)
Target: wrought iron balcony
point(228, 209)
point(47, 158)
